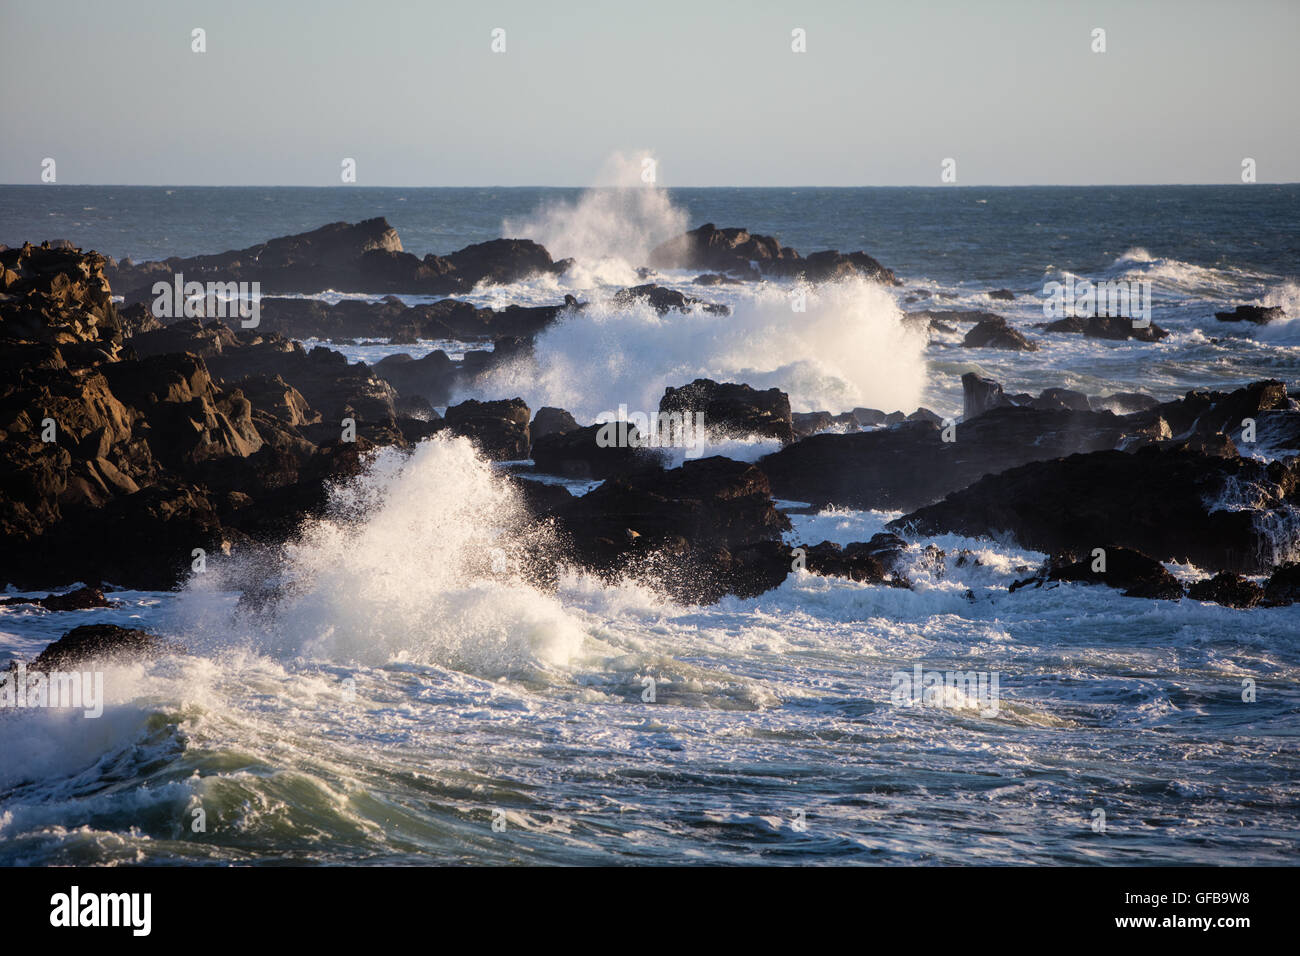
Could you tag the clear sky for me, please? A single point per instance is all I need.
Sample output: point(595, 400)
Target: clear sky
point(414, 93)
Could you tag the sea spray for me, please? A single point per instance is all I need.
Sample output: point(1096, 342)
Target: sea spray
point(427, 557)
point(623, 217)
point(848, 348)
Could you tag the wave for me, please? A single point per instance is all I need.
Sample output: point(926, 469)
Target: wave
point(849, 348)
point(622, 218)
point(427, 558)
point(1176, 276)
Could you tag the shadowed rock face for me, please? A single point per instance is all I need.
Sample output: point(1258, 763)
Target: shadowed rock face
point(58, 297)
point(104, 643)
point(499, 429)
point(579, 453)
point(1283, 586)
point(993, 332)
point(1106, 327)
point(700, 531)
point(1258, 314)
point(1161, 501)
point(118, 460)
point(1228, 589)
point(364, 257)
point(392, 319)
point(748, 255)
point(1133, 572)
point(81, 599)
point(910, 464)
point(551, 421)
point(733, 410)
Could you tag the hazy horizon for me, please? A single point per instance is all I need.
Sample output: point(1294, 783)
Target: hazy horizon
point(1014, 92)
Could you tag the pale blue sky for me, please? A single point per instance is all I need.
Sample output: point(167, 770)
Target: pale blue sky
point(412, 91)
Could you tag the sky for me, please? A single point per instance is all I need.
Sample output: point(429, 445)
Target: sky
point(884, 93)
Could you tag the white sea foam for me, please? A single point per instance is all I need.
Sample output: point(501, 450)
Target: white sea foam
point(849, 348)
point(424, 558)
point(623, 217)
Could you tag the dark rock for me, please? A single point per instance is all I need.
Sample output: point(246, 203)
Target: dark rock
point(909, 465)
point(1132, 572)
point(1258, 314)
point(731, 410)
point(1283, 586)
point(81, 599)
point(869, 416)
point(499, 428)
point(1003, 295)
point(1158, 500)
point(433, 377)
point(700, 531)
point(392, 319)
point(853, 562)
point(994, 333)
point(664, 300)
point(831, 266)
point(979, 395)
point(552, 421)
point(1061, 398)
point(364, 257)
point(102, 642)
point(160, 452)
point(1123, 403)
point(1228, 589)
point(1117, 328)
point(137, 318)
point(57, 297)
point(501, 261)
point(718, 250)
point(739, 252)
point(946, 317)
point(809, 423)
point(713, 278)
point(579, 454)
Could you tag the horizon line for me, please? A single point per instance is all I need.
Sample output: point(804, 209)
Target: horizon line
point(345, 186)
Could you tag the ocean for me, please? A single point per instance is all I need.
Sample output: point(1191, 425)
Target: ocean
point(400, 709)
